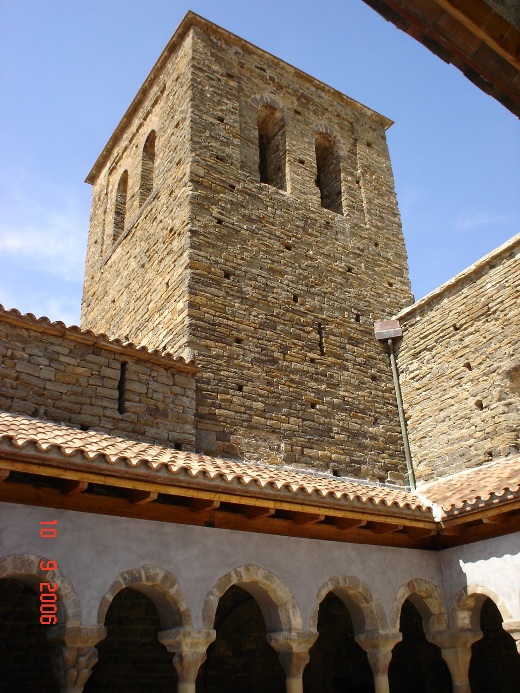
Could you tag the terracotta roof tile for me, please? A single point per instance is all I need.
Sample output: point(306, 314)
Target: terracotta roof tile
point(474, 488)
point(48, 439)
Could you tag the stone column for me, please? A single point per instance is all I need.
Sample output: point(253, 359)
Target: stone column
point(379, 646)
point(74, 654)
point(189, 647)
point(513, 628)
point(456, 652)
point(293, 649)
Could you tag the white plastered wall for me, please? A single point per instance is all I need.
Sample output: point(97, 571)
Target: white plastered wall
point(93, 550)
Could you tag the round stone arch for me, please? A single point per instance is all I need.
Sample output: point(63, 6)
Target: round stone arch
point(278, 607)
point(324, 129)
point(428, 600)
point(160, 587)
point(366, 612)
point(260, 100)
point(26, 568)
point(465, 607)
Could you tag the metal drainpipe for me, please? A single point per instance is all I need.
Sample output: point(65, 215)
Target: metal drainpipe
point(388, 329)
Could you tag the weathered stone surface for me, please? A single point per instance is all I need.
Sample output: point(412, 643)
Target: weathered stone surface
point(459, 364)
point(91, 390)
point(274, 294)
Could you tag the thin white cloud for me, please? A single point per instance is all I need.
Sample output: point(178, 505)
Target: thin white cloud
point(44, 225)
point(473, 220)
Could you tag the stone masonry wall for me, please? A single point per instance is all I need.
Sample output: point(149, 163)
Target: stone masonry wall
point(283, 293)
point(65, 376)
point(459, 364)
point(136, 289)
point(274, 294)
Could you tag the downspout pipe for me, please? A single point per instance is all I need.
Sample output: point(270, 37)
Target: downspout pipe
point(388, 330)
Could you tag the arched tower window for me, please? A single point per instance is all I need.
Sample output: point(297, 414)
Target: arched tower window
point(147, 167)
point(120, 207)
point(328, 172)
point(271, 147)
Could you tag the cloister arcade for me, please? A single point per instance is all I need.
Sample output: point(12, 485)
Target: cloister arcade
point(253, 637)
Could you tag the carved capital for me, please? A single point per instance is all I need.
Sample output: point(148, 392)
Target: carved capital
point(378, 645)
point(189, 647)
point(72, 666)
point(293, 649)
point(455, 648)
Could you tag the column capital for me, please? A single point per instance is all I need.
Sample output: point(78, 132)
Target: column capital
point(453, 639)
point(293, 650)
point(72, 666)
point(292, 641)
point(379, 645)
point(513, 628)
point(380, 641)
point(455, 646)
point(189, 647)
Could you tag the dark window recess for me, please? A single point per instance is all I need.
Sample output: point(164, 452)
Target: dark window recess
point(177, 446)
point(296, 298)
point(121, 388)
point(320, 337)
point(147, 168)
point(120, 207)
point(328, 173)
point(271, 147)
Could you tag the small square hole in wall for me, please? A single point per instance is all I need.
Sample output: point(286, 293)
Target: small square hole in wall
point(220, 119)
point(479, 404)
point(314, 405)
point(312, 360)
point(357, 317)
point(455, 327)
point(335, 472)
point(177, 446)
point(287, 246)
point(295, 298)
point(231, 186)
point(467, 365)
point(238, 340)
point(218, 220)
point(240, 388)
point(376, 244)
point(227, 275)
point(350, 269)
point(301, 161)
point(391, 284)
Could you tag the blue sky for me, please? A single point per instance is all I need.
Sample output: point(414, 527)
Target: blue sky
point(70, 69)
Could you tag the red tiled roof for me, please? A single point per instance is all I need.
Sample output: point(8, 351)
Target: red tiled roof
point(472, 489)
point(56, 441)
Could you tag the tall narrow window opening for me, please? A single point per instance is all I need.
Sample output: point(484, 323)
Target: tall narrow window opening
point(328, 172)
point(121, 388)
point(147, 168)
point(120, 207)
point(271, 147)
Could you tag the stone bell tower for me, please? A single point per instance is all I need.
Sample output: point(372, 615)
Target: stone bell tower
point(244, 214)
